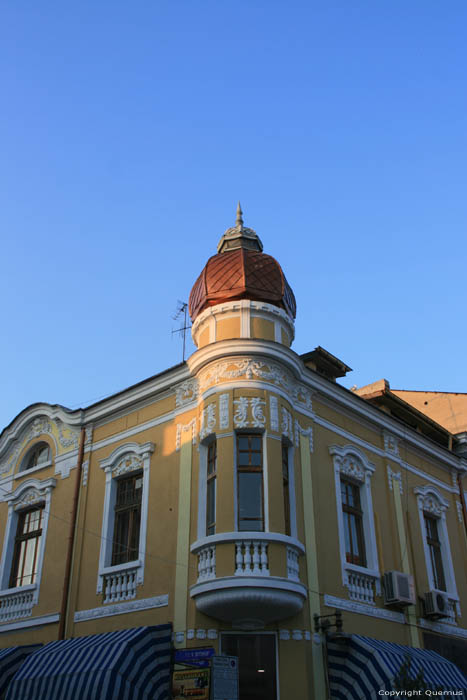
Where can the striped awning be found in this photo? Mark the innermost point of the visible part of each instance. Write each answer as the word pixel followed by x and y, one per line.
pixel 128 664
pixel 11 659
pixel 359 667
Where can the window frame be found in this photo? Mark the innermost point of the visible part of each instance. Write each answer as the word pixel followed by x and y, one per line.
pixel 211 485
pixel 286 486
pixel 124 460
pixel 24 469
pixel 355 511
pixel 431 503
pixel 350 463
pixel 29 493
pixel 120 510
pixel 251 469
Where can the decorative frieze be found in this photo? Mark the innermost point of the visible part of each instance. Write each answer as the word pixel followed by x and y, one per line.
pixel 257 413
pixel 397 476
pixel 254 369
pixel 294 635
pixel 241 412
pixel 122 608
pixel 460 516
pixel 274 413
pixel 186 392
pixel 361 608
pixel 128 463
pixel 224 411
pixel 430 501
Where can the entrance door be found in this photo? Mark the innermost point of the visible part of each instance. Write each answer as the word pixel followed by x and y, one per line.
pixel 257 664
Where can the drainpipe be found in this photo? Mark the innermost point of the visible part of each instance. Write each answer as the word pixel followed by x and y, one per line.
pixel 71 539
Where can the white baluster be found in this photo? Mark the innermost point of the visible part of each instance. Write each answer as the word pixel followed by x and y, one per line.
pixel 238 559
pixel 256 559
pixel 247 558
pixel 264 559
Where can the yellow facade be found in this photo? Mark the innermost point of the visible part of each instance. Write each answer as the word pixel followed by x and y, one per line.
pixel 244 383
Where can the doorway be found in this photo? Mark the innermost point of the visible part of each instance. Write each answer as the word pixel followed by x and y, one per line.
pixel 257 663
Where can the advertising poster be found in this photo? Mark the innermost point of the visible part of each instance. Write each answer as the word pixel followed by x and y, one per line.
pixel 193 683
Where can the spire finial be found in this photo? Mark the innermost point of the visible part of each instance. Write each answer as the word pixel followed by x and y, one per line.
pixel 239 219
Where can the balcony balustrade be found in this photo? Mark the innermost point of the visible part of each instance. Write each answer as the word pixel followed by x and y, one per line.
pixel 119 585
pixel 250 578
pixel 16 603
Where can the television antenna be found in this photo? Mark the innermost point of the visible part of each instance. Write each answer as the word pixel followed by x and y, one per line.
pixel 181 314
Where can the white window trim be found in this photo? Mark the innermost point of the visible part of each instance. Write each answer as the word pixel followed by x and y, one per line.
pixel 203 484
pixel 292 497
pixel 264 445
pixel 360 470
pixel 27 494
pixel 124 459
pixel 430 501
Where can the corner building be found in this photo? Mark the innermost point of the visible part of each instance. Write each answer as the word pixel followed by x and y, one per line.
pixel 237 496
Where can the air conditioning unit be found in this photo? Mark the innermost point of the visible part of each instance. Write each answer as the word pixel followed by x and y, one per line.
pixel 398 588
pixel 436 604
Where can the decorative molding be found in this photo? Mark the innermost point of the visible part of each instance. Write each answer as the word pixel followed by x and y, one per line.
pixel 223 411
pixel 208 420
pixel 88 435
pixel 29 492
pixel 85 473
pixel 186 392
pixel 443 628
pixel 241 412
pixel 190 634
pixel 431 501
pixel 454 478
pixel 182 429
pixel 257 413
pixel 251 368
pixel 179 637
pixel 132 606
pixel 287 423
pixel 284 635
pixel 397 476
pixel 67 436
pixel 362 609
pixel 40 426
pixel 201 634
pixel 297 635
pixel 212 634
pixel 351 461
pixel 460 515
pixel 30 622
pixel 303 431
pixel 391 443
pixel 274 413
pixel 64 465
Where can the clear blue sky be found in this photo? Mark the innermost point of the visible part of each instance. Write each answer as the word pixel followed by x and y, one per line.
pixel 128 131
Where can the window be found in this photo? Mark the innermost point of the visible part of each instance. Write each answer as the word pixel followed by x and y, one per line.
pixel 211 488
pixel 38 456
pixel 27 547
pixel 434 548
pixel 250 482
pixel 353 523
pixel 124 523
pixel 432 509
pixel 127 519
pixel 286 485
pixel 24 544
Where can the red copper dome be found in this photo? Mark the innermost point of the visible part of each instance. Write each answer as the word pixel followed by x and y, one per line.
pixel 241 270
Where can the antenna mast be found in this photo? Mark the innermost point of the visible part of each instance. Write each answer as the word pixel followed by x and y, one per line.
pixel 182 313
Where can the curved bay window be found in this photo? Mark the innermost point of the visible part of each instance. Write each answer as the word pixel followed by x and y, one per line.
pixel 127 519
pixel 27 547
pixel 250 482
pixel 211 488
pixel 353 523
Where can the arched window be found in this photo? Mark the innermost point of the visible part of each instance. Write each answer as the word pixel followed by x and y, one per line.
pixel 38 456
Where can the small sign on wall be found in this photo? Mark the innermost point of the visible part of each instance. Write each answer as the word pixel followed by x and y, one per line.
pixel 224 678
pixel 191 684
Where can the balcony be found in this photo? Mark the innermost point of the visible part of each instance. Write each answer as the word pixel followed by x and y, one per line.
pixel 16 603
pixel 248 579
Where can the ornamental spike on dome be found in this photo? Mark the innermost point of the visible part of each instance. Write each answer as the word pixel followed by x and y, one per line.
pixel 239 236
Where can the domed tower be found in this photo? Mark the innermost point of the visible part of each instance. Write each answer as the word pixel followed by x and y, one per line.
pixel 242 293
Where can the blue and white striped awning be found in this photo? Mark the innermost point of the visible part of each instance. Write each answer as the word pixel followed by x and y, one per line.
pixel 360 667
pixel 10 661
pixel 129 664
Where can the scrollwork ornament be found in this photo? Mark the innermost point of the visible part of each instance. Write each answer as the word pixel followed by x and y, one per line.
pixel 257 414
pixel 241 412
